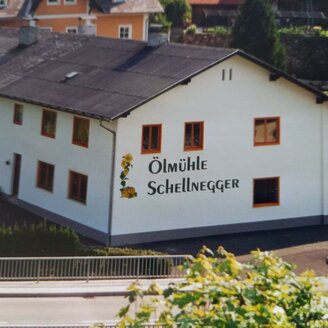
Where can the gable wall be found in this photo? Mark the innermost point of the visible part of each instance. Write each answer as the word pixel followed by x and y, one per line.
pixel 228 109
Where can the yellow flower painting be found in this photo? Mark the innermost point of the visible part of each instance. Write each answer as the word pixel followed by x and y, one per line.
pixel 126 164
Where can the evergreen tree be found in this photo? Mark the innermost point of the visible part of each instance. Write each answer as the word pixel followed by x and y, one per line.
pixel 256 32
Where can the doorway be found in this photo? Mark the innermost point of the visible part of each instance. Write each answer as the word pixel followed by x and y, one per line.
pixel 16 173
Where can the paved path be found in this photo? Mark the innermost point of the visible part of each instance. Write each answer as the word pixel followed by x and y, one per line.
pixel 74 288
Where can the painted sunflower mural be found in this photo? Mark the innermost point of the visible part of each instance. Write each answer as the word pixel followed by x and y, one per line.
pixel 126 164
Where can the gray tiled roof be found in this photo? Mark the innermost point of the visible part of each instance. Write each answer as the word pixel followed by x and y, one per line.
pixel 115 76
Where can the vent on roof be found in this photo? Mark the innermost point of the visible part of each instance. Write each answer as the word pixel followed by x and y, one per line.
pixel 71 75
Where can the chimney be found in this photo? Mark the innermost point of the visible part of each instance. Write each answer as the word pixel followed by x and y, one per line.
pixel 28 33
pixel 158 35
pixel 88 28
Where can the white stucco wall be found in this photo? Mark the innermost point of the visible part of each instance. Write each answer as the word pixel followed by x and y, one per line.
pixel 228 109
pixel 94 161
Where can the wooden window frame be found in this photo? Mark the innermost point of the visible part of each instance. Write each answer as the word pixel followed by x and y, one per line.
pixel 16 108
pixel 49 185
pixel 159 136
pixel 44 133
pixel 267 143
pixel 70 186
pixel 75 140
pixel 193 147
pixel 125 26
pixel 277 203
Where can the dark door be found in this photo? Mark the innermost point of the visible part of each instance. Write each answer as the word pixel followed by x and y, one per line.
pixel 17 170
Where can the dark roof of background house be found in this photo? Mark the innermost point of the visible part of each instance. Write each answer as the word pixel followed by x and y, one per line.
pixel 21 8
pixel 127 6
pixel 114 76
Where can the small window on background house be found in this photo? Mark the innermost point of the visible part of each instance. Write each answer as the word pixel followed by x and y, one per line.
pixel 81 128
pixel 49 121
pixel 266 131
pixel 45 176
pixel 151 138
pixel 223 74
pixel 3 3
pixel 70 2
pixel 53 2
pixel 18 114
pixel 194 136
pixel 71 30
pixel 266 192
pixel 78 185
pixel 125 32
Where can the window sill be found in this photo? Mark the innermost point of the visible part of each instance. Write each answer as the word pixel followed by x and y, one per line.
pixel 80 144
pixel 266 205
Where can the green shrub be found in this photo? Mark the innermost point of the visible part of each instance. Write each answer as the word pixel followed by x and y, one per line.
pixel 38 240
pixel 191 29
pixel 116 251
pixel 221 292
pixel 218 30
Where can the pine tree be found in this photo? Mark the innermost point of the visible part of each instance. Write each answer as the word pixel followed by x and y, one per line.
pixel 256 32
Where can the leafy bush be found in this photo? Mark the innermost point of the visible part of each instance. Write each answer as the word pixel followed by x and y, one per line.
pixel 191 29
pixel 116 251
pixel 221 292
pixel 304 31
pixel 38 240
pixel 46 239
pixel 218 30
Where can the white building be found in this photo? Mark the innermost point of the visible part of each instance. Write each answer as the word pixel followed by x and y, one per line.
pixel 128 144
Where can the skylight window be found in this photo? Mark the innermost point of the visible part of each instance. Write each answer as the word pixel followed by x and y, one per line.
pixel 71 75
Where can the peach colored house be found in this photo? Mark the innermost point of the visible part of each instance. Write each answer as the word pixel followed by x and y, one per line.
pixel 117 19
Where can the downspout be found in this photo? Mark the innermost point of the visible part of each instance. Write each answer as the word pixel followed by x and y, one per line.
pixel 111 187
pixel 323 171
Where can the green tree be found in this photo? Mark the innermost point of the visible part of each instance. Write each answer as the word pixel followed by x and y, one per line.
pixel 256 32
pixel 176 12
pixel 221 292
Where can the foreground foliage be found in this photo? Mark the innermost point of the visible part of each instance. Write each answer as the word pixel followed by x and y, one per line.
pixel 221 292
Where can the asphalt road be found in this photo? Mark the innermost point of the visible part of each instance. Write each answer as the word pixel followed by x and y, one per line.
pixel 59 311
pixel 244 243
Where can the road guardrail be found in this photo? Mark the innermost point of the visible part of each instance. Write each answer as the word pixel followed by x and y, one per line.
pixel 91 267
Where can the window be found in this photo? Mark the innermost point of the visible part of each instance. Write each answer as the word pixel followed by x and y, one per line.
pixel 45 177
pixel 18 114
pixel 266 131
pixel 3 3
pixel 71 30
pixel 193 139
pixel 151 138
pixel 125 31
pixel 266 192
pixel 53 2
pixel 49 120
pixel 69 2
pixel 78 184
pixel 48 29
pixel 81 131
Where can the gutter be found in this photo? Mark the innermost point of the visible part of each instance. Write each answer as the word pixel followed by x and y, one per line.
pixel 111 187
